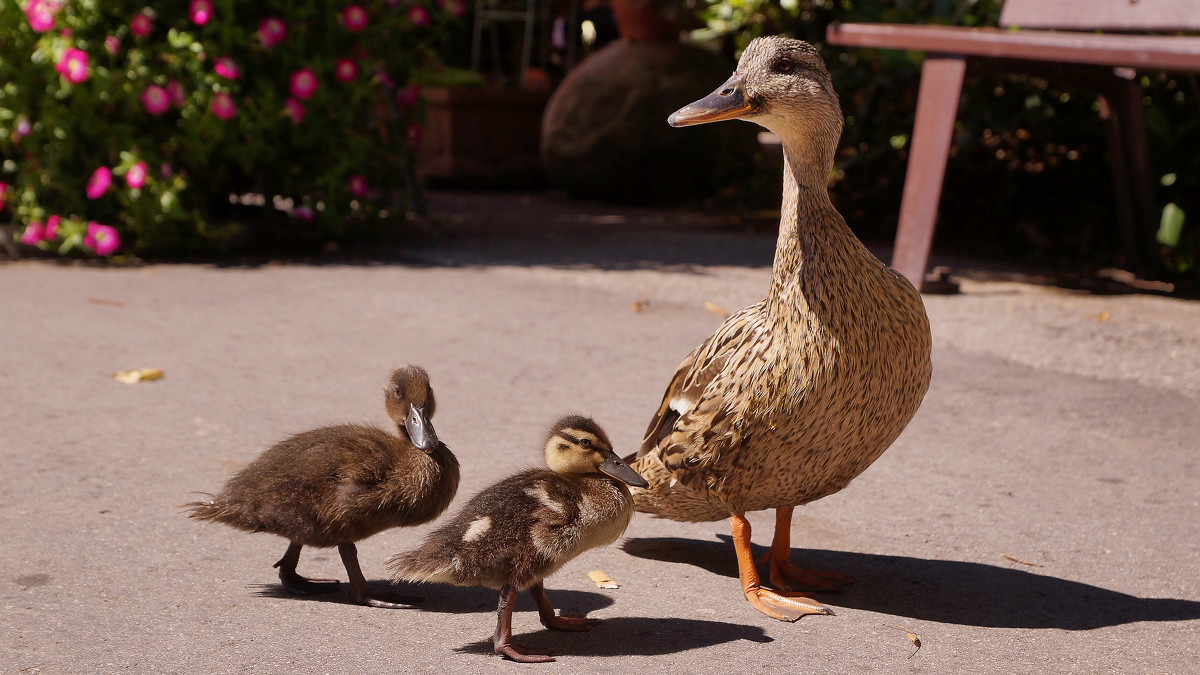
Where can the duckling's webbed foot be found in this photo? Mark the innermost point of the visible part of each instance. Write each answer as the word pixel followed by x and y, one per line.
pixel 360 589
pixel 549 620
pixel 294 583
pixel 788 577
pixel 774 605
pixel 502 639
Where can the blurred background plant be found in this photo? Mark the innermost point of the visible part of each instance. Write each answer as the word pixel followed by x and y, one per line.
pixel 210 125
pixel 1027 151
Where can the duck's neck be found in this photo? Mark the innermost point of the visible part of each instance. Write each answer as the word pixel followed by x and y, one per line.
pixel 809 229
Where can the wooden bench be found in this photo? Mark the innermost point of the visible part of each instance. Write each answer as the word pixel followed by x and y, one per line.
pixel 1044 38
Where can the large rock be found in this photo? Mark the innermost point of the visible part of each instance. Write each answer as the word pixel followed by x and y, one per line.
pixel 605 133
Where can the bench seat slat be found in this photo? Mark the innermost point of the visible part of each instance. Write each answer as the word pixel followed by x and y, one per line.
pixel 1154 52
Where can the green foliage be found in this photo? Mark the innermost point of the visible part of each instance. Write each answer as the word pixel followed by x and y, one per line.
pixel 233 159
pixel 1027 151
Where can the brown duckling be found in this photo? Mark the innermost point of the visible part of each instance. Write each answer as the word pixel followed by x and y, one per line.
pixel 793 396
pixel 519 531
pixel 335 485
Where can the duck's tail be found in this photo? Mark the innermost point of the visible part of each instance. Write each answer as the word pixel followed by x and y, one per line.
pixel 666 497
pixel 429 562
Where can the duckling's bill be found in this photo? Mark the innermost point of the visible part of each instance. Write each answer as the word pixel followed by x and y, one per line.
pixel 615 467
pixel 420 430
pixel 728 102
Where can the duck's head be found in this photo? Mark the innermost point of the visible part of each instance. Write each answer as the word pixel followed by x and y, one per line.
pixel 409 402
pixel 578 445
pixel 781 84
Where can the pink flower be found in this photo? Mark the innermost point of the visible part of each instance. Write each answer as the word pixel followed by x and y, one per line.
pixel 155 99
pixel 20 129
pixel 40 14
pixel 200 11
pixel 222 107
pixel 454 8
pixel 295 110
pixel 419 16
pixel 112 45
pixel 357 185
pixel 99 182
pixel 226 68
pixel 271 31
pixel 408 96
pixel 136 176
pixel 175 93
pixel 101 238
pixel 73 65
pixel 51 228
pixel 34 233
pixel 303 213
pixel 355 18
pixel 3 193
pixel 345 70
pixel 303 83
pixel 141 24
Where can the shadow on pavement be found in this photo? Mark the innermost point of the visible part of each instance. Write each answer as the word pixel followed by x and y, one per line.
pixel 946 591
pixel 449 599
pixel 631 636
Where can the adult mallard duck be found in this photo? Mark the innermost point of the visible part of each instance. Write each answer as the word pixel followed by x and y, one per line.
pixel 521 530
pixel 793 396
pixel 335 485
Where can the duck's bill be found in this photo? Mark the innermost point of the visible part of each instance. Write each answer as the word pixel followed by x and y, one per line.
pixel 615 467
pixel 420 430
pixel 728 102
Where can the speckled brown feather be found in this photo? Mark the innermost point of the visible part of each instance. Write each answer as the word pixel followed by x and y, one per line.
pixel 794 396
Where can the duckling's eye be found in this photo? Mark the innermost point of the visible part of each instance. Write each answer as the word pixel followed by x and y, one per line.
pixel 785 66
pixel 585 443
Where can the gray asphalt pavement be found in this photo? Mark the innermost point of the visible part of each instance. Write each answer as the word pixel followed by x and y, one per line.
pixel 1039 515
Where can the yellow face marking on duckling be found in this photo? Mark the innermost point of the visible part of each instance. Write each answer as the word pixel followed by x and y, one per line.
pixel 477 528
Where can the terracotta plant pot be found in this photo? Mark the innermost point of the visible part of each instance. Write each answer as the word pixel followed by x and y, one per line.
pixel 645 21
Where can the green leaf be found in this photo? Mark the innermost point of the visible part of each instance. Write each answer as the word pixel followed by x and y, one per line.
pixel 1171 226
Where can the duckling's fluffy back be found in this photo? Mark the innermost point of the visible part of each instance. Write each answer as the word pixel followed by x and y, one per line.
pixel 520 530
pixel 336 484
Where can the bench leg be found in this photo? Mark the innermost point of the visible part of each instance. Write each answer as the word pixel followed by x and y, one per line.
pixel 1131 164
pixel 937 107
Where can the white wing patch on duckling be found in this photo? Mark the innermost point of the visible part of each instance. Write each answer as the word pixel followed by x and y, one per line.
pixel 477 528
pixel 540 493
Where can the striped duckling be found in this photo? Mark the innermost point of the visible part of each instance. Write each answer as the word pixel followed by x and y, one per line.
pixel 335 485
pixel 519 531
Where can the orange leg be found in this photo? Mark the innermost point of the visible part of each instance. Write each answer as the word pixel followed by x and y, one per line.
pixel 787 577
pixel 770 603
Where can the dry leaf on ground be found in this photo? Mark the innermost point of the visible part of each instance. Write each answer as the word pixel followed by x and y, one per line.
pixel 138 375
pixel 602 580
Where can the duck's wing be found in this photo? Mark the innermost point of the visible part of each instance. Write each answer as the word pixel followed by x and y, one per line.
pixel 695 424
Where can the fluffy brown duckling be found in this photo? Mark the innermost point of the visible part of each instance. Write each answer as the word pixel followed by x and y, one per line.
pixel 335 485
pixel 515 533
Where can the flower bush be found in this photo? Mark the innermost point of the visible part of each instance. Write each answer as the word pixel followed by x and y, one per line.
pixel 168 128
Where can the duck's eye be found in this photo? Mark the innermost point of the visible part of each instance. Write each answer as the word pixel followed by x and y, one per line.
pixel 397 392
pixel 585 443
pixel 785 66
